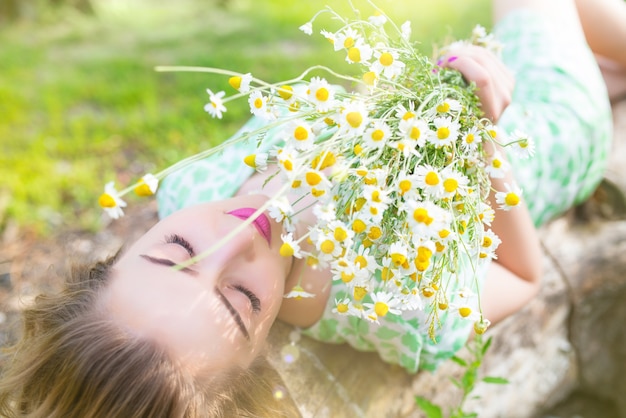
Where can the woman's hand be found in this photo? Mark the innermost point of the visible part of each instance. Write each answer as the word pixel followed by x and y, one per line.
pixel 494 82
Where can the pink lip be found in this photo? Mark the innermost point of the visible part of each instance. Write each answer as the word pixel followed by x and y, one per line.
pixel 261 223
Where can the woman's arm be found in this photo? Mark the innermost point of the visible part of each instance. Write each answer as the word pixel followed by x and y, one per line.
pixel 514 279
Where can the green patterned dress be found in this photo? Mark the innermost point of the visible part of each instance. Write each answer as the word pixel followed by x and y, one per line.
pixel 560 100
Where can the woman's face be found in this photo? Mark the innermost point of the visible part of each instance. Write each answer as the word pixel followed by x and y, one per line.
pixel 216 313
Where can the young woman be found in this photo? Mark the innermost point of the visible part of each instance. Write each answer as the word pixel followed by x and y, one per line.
pixel 133 337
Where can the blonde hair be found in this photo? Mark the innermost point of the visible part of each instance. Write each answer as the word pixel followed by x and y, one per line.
pixel 74 361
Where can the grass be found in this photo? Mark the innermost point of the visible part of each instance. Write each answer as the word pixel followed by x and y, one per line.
pixel 80 103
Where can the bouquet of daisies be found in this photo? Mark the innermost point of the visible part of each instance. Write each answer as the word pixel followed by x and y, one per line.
pixel 397 169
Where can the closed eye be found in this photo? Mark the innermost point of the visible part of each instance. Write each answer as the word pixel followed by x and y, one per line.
pixel 177 239
pixel 254 300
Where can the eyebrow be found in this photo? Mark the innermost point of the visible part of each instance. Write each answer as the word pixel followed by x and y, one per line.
pixel 234 313
pixel 187 270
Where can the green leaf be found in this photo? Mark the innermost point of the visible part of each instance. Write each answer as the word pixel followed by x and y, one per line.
pixel 487 345
pixel 495 380
pixel 459 361
pixel 431 410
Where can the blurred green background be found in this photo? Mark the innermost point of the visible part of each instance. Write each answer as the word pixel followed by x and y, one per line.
pixel 81 104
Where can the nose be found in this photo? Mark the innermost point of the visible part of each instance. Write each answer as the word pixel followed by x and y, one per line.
pixel 233 247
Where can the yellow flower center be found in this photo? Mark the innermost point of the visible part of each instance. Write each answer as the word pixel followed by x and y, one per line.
pixel 342 308
pixel 398 259
pixel 348 42
pixel 327 246
pixel 369 78
pixel 487 242
pixel 428 291
pixel 296 183
pixel 143 190
pixel 381 308
pixel 354 119
pixel 354 54
pixel 443 132
pixel 258 103
pixel 496 163
pixel 444 233
pixel 250 160
pixel 511 199
pixel 450 185
pixel 286 250
pixel 340 234
pixel 432 179
pixel 386 273
pixel 358 149
pixel 443 306
pixel 378 135
pixel 415 133
pixel 361 261
pixel 317 192
pixel 346 277
pixel 465 311
pixel 313 178
pixel 443 107
pixel 405 186
pixel 439 247
pixel 106 201
pixel 322 94
pixel 375 233
pixel 376 196
pixel 421 215
pixel 469 138
pixel 300 133
pixel 358 226
pixel 359 292
pixel 386 59
pixel 235 82
pixel 285 92
pixel 408 115
pixel 288 165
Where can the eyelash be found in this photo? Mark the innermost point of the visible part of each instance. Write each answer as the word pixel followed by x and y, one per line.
pixel 177 239
pixel 254 300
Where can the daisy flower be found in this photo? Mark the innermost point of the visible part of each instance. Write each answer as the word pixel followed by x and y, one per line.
pixel 257 161
pixel 405 30
pixel 415 130
pixel 342 306
pixel 497 166
pixel 453 182
pixel 360 53
pixel 259 106
pixel 377 19
pixel 290 247
pixel 384 303
pixel 299 134
pixel 429 179
pixel 470 140
pixel 111 201
pixel 448 106
pixel 489 245
pixel 321 94
pixel 346 39
pixel 510 198
pixel 241 83
pixel 280 209
pixel 377 135
pixel 364 260
pixel 147 186
pixel 521 144
pixel 297 292
pixel 215 107
pixel 354 118
pixel 387 64
pixel 425 218
pixel 446 131
pixel 307 28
